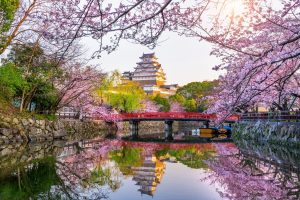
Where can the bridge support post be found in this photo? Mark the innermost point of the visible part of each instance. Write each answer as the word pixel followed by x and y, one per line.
pixel 134 128
pixel 168 129
pixel 206 123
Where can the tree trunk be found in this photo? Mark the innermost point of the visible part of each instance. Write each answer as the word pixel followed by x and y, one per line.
pixel 22 101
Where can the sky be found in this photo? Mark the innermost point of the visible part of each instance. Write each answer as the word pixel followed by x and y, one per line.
pixel 183 59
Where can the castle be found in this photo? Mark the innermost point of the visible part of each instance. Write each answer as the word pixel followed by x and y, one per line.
pixel 151 77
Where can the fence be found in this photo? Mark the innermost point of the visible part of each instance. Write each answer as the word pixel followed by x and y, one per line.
pixel 73 115
pixel 285 116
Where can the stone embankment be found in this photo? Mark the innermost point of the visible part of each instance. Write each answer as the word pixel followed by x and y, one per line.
pixel 273 132
pixel 14 129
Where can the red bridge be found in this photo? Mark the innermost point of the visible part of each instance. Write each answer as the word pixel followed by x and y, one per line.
pixel 174 116
pixel 168 117
pixel 149 116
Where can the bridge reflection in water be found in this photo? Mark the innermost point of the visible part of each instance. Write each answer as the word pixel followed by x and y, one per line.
pixel 248 170
pixel 113 169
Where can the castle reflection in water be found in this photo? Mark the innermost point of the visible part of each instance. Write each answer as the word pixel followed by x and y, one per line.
pixel 115 169
pixel 149 174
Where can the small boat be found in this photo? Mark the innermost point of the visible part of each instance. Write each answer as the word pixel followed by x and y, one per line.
pixel 208 132
pixel 224 132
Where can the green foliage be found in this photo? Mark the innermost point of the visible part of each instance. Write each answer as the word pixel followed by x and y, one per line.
pixel 28 183
pixel 11 81
pixel 111 80
pixel 162 102
pixel 7 10
pixel 197 89
pixel 178 98
pixel 124 97
pixel 27 73
pixel 45 97
pixel 127 158
pixel 50 117
pixel 196 93
pixel 190 157
pixel 190 105
pixel 104 176
pixel 124 102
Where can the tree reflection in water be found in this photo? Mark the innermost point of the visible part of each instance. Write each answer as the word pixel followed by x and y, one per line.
pixel 126 158
pixel 30 181
pixel 95 169
pixel 255 171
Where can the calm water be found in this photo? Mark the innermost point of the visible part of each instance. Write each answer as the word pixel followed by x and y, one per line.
pixel 120 170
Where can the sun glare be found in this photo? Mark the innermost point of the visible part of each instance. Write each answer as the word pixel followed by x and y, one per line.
pixel 235 6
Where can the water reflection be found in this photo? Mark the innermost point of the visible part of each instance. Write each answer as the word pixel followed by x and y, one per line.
pixel 27 171
pixel 113 169
pixel 254 171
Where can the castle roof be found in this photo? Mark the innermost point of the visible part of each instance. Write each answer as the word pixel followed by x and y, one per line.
pixel 148 55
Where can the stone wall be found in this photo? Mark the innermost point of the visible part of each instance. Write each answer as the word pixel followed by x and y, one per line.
pixel 14 129
pixel 273 132
pixel 78 130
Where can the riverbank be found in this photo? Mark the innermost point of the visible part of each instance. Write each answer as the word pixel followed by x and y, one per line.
pixel 17 129
pixel 282 133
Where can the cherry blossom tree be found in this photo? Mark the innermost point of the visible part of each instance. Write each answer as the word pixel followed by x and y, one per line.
pixel 260 52
pixel 77 86
pixel 149 106
pixel 176 107
pixel 140 21
pixel 257 41
pixel 78 90
pixel 61 23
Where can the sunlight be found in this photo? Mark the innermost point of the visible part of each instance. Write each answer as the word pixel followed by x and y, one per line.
pixel 234 6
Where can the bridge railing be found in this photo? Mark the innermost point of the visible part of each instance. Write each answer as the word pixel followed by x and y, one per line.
pixel 167 115
pixel 74 115
pixel 175 115
pixel 288 116
pixel 149 115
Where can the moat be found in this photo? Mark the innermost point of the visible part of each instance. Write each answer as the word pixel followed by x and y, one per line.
pixel 115 169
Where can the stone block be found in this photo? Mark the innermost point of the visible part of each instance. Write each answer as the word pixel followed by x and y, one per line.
pixel 25 122
pixel 15 121
pixel 6 132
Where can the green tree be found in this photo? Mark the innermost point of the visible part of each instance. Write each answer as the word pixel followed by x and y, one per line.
pixel 45 97
pixel 190 105
pixel 30 182
pixel 105 176
pixel 108 83
pixel 178 98
pixel 11 81
pixel 37 71
pixel 197 91
pixel 8 9
pixel 126 158
pixel 192 157
pixel 162 102
pixel 124 97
